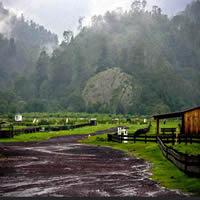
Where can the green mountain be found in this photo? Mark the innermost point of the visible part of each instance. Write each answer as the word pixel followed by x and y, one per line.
pixel 136 62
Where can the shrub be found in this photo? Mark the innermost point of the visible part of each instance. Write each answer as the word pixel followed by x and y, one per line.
pixel 101 139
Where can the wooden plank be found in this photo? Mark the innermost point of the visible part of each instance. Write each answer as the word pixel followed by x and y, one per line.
pixel 192 122
pixel 157 127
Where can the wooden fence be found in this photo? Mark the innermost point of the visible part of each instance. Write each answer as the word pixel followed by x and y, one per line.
pixel 11 132
pixel 181 138
pixel 189 164
pixel 133 136
pixel 130 137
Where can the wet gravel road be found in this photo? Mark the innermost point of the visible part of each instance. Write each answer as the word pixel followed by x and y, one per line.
pixel 63 167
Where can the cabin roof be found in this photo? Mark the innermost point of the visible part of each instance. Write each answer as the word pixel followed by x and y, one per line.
pixel 174 114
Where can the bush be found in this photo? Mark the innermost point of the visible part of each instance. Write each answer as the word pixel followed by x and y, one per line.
pixel 101 139
pixel 43 122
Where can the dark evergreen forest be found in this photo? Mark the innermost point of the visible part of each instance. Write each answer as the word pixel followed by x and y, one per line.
pixel 158 58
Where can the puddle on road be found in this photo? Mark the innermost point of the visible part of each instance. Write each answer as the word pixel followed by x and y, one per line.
pixel 126 191
pixel 106 182
pixel 18 158
pixel 31 192
pixel 32 164
pixel 57 150
pixel 116 176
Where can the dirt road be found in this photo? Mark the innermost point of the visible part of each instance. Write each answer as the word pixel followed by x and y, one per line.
pixel 63 167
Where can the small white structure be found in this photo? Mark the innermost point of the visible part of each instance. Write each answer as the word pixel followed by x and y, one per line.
pixel 18 118
pixel 42 129
pixel 123 131
pixel 119 130
pixel 125 138
pixel 145 121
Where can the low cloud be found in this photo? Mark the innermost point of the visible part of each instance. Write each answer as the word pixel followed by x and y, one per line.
pixel 6 18
pixel 59 15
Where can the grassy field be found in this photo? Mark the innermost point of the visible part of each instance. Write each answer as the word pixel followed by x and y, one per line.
pixel 60 117
pixel 85 130
pixel 162 170
pixel 14 127
pixel 190 149
pixel 169 124
pixel 46 135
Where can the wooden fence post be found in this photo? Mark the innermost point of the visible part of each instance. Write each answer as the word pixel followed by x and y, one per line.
pixel 11 131
pixel 109 138
pixel 186 158
pixel 120 139
pixel 186 139
pixel 157 127
pixel 173 138
pixel 167 152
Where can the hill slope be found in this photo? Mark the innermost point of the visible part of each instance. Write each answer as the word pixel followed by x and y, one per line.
pixel 157 59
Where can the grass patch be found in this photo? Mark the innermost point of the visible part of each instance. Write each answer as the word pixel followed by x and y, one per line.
pixel 163 170
pixel 14 127
pixel 169 124
pixel 190 149
pixel 47 135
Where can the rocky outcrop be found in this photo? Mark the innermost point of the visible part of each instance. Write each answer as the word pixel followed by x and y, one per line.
pixel 109 87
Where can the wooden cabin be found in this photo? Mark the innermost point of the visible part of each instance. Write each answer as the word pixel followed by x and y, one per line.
pixel 190 121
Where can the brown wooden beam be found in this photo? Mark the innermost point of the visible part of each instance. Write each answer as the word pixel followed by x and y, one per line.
pixel 157 127
pixel 183 125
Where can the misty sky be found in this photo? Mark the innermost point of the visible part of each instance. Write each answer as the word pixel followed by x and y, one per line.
pixel 59 15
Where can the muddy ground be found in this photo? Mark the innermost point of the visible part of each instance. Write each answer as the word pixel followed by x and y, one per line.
pixel 63 167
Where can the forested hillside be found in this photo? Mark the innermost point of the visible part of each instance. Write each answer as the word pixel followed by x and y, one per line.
pixel 141 57
pixel 21 42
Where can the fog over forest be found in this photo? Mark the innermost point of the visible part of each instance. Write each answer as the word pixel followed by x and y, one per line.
pixel 58 15
pixel 136 60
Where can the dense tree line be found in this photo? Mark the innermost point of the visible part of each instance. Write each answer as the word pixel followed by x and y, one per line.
pixel 161 54
pixel 21 42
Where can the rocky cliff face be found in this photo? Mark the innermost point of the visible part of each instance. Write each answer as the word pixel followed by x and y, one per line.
pixel 110 87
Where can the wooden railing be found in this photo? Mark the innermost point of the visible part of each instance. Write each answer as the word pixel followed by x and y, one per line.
pixel 181 138
pixel 132 136
pixel 167 130
pixel 188 164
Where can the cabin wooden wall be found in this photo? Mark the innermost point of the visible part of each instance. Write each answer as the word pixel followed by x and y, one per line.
pixel 192 122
